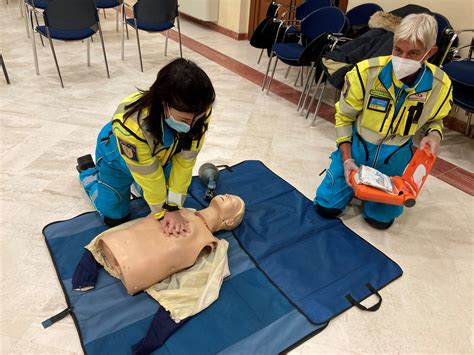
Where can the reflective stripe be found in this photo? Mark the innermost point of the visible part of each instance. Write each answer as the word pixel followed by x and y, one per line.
pixel 347 109
pixel 375 138
pixel 344 132
pixel 88 180
pixel 144 169
pixel 188 154
pixel 175 198
pixel 94 196
pixel 156 207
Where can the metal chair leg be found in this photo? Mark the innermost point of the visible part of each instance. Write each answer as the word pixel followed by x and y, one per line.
pixel 303 92
pixel 54 56
pixel 103 50
pixel 37 24
pixel 268 69
pixel 26 19
pixel 179 37
pixel 308 92
pixel 105 16
pixel 314 95
pixel 260 56
pixel 166 42
pixel 122 46
pixel 116 18
pixel 138 44
pixel 88 52
pixel 4 69
pixel 287 71
pixel 33 43
pixel 468 123
pixel 297 77
pixel 319 104
pixel 273 73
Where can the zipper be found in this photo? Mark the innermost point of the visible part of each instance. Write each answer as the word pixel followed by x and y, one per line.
pixel 385 118
pixel 377 152
pixel 173 149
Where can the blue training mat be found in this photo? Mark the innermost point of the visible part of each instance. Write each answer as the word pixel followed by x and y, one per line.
pixel 244 319
pixel 322 266
pixel 291 272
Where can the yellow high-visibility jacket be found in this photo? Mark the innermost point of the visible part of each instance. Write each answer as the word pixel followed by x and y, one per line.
pixel 146 157
pixel 384 110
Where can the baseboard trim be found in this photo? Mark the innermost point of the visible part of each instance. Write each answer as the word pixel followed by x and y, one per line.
pixel 215 27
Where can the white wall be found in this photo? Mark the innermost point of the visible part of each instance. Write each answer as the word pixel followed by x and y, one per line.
pixel 234 15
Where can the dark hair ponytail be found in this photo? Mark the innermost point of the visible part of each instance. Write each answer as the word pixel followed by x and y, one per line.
pixel 182 85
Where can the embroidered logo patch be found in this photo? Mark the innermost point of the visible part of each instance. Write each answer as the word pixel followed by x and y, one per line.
pixel 380 93
pixel 378 104
pixel 421 97
pixel 128 149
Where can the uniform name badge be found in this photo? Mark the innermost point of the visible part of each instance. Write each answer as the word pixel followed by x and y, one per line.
pixel 378 103
pixel 129 150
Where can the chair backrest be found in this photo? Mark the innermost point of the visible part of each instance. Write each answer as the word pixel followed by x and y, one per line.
pixel 156 11
pixel 71 14
pixel 360 15
pixel 309 6
pixel 272 9
pixel 327 19
pixel 443 24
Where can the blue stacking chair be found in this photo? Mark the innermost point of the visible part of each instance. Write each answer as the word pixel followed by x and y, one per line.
pixel 70 20
pixel 360 15
pixel 290 24
pixel 109 4
pixel 33 7
pixel 461 73
pixel 320 22
pixel 153 16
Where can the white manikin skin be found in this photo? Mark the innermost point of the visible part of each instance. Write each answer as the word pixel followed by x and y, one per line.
pixel 143 255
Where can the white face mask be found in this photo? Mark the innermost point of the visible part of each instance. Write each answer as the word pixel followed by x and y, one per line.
pixel 403 67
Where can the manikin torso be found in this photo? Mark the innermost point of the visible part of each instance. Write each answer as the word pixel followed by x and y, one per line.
pixel 142 254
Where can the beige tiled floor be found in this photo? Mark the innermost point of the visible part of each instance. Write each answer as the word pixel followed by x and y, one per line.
pixel 44 128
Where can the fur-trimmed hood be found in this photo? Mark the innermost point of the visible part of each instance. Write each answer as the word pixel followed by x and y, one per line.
pixel 384 20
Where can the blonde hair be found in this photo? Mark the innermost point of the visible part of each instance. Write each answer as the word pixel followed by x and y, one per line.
pixel 417 27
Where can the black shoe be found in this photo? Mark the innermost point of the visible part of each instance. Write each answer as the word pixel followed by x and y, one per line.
pixel 327 212
pixel 113 222
pixel 377 224
pixel 85 162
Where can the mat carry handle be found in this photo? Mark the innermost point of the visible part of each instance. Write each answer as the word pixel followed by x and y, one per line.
pixel 373 308
pixel 50 321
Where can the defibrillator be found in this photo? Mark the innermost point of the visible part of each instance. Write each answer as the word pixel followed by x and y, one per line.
pixel 402 190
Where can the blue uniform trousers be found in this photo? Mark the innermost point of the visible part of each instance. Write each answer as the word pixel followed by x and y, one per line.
pixel 108 183
pixel 333 192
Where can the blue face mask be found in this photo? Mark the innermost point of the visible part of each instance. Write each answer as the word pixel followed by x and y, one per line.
pixel 178 126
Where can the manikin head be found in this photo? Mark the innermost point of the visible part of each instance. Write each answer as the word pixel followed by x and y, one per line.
pixel 225 212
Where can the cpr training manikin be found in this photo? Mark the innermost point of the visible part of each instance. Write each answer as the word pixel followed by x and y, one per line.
pixel 184 274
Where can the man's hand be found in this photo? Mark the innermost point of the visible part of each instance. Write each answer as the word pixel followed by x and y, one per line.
pixel 173 224
pixel 349 166
pixel 433 141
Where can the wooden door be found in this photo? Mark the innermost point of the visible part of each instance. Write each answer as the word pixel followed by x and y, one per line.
pixel 258 10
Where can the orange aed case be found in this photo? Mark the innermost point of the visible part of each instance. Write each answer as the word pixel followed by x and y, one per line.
pixel 406 187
